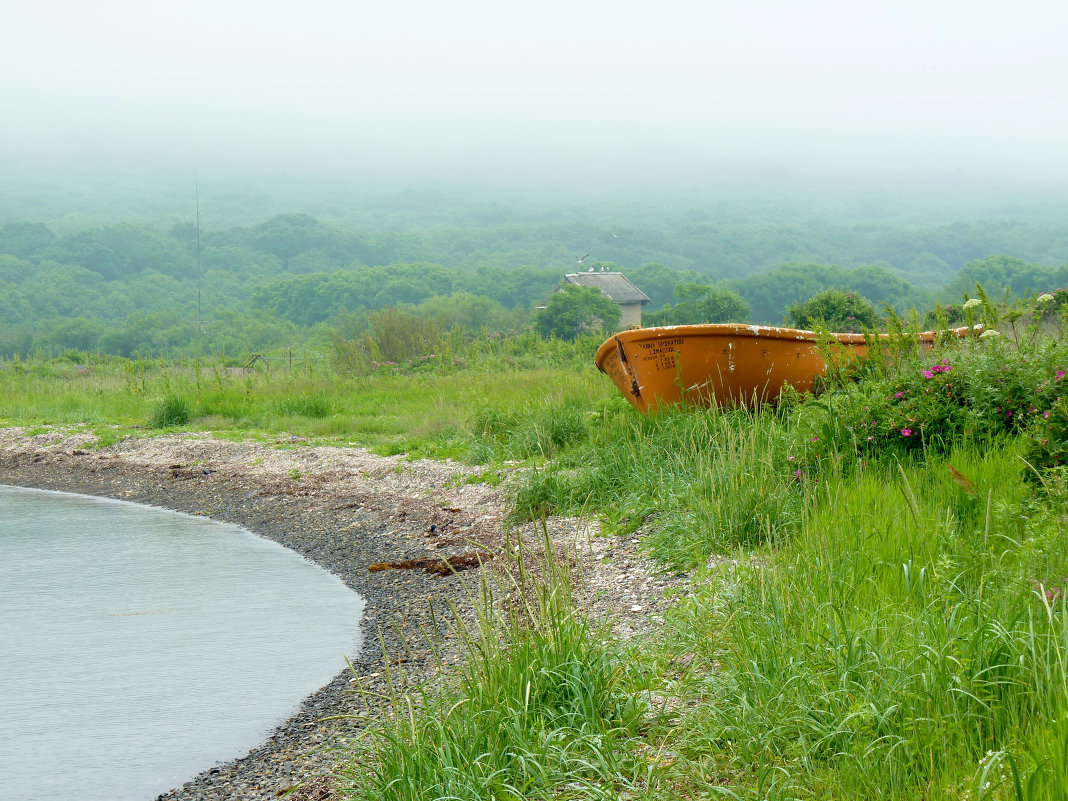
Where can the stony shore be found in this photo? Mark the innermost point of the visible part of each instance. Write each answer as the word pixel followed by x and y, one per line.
pixel 345 509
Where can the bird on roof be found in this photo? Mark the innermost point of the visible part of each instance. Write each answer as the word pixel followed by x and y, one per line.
pixel 590 270
pixel 582 258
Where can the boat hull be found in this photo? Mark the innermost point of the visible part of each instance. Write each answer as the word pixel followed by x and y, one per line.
pixel 722 364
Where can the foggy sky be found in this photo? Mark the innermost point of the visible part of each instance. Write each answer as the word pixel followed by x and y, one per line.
pixel 871 86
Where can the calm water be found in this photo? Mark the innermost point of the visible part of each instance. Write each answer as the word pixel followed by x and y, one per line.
pixel 139 647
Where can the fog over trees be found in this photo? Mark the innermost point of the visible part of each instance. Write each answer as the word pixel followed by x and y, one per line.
pixel 341 159
pixel 129 282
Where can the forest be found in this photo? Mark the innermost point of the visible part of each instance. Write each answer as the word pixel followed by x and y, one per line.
pixel 147 284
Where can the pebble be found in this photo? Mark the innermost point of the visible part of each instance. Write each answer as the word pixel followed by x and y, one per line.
pixel 351 509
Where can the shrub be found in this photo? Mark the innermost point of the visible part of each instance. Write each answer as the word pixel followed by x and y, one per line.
pixel 576 310
pixel 835 310
pixel 399 334
pixel 701 303
pixel 171 410
pixel 315 406
pixel 975 390
pixel 1047 439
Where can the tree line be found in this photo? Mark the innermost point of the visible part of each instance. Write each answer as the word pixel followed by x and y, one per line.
pixel 127 289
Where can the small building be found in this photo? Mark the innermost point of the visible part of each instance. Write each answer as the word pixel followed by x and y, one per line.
pixel 619 290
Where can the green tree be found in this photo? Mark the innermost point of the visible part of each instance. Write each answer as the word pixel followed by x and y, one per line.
pixel 469 312
pixel 24 239
pixel 659 281
pixel 1000 273
pixel 835 310
pixel 701 303
pixel 576 310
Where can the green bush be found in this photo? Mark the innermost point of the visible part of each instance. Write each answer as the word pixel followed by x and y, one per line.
pixel 834 310
pixel 537 430
pixel 171 410
pixel 1047 439
pixel 315 406
pixel 701 303
pixel 576 310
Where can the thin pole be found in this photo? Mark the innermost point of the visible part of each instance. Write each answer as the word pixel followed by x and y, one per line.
pixel 196 195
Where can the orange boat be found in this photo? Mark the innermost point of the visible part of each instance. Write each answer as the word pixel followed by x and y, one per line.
pixel 726 364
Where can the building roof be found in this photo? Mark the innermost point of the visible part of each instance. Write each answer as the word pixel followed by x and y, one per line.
pixel 618 288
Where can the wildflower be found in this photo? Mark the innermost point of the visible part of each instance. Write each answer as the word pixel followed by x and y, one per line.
pixel 906 432
pixel 1045 415
pixel 1045 297
pixel 927 373
pixel 870 438
pixel 971 303
pixel 990 333
pixel 1060 375
pixel 898 394
pixel 789 458
pixel 815 439
pixel 797 475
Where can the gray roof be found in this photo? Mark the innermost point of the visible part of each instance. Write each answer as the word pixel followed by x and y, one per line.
pixel 618 288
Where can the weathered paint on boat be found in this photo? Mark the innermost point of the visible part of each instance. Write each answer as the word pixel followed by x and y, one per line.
pixel 726 364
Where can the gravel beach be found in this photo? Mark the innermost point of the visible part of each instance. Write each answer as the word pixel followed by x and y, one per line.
pixel 345 509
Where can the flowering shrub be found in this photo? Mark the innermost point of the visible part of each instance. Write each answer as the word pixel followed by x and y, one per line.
pixel 920 408
pixel 950 315
pixel 388 367
pixel 1047 438
pixel 974 390
pixel 1051 591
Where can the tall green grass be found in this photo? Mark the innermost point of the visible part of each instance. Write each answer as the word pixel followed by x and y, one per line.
pixel 540 708
pixel 893 643
pixel 425 413
pixel 705 480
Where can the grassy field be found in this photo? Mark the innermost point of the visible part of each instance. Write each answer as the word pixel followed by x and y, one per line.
pixel 423 412
pixel 876 604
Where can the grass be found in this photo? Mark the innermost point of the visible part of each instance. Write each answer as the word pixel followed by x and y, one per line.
pixel 882 653
pixel 426 414
pixel 869 613
pixel 903 642
pixel 541 708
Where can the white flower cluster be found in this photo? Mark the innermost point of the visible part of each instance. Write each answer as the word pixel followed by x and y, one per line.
pixel 971 303
pixel 1045 297
pixel 990 333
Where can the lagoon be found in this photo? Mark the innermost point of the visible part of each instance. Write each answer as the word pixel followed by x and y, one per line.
pixel 140 646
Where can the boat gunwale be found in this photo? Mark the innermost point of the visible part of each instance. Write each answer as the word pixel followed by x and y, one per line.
pixel 705 330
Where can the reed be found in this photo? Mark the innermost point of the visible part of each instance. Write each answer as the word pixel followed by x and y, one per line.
pixel 425 413
pixel 541 707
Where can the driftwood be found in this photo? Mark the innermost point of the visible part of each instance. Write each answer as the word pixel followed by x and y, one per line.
pixel 436 565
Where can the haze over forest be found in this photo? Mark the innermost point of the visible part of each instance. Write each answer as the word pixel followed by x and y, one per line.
pixel 335 152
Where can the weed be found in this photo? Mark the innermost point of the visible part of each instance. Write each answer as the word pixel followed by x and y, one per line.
pixel 170 411
pixel 539 708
